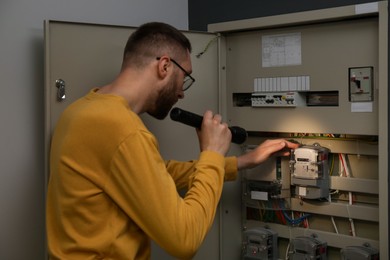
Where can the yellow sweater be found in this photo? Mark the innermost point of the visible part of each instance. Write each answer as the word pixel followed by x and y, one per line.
pixel 110 192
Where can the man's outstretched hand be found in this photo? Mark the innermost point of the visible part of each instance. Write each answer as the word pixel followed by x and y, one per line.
pixel 272 147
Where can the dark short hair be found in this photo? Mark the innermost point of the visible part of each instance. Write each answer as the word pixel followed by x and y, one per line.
pixel 152 40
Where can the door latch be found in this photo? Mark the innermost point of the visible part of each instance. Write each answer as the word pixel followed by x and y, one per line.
pixel 60 84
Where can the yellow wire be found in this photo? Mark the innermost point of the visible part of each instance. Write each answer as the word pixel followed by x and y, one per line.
pixel 207 46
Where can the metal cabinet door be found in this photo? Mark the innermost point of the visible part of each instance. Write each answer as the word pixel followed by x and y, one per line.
pixel 83 56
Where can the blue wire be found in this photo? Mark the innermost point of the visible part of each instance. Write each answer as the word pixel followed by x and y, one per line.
pixel 290 220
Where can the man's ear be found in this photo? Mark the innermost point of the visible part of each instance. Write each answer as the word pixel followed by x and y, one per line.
pixel 163 67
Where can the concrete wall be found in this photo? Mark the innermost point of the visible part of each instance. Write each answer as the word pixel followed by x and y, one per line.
pixel 22 218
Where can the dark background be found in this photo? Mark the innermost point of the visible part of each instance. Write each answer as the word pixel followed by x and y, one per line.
pixel 203 12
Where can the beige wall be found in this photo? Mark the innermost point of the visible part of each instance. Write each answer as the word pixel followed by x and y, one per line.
pixel 21 103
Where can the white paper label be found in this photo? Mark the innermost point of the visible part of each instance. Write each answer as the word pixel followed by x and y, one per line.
pixel 259 195
pixel 302 191
pixel 361 107
pixel 281 50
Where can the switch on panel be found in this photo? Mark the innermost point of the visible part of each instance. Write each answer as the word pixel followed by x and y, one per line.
pixel 361 84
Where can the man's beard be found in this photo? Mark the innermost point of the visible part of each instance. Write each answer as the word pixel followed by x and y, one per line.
pixel 165 100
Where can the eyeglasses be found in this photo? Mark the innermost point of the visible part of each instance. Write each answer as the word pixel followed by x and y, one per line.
pixel 188 79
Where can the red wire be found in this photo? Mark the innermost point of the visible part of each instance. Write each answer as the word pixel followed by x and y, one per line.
pixel 278 213
pixel 342 162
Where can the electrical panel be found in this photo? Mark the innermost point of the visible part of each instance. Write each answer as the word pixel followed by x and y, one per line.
pixel 311 190
pixel 315 81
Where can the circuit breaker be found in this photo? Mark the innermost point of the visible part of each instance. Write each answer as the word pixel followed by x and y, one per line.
pixel 277 99
pixel 260 243
pixel 310 171
pixel 361 84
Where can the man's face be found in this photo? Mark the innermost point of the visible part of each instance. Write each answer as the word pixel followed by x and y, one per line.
pixel 166 98
pixel 171 93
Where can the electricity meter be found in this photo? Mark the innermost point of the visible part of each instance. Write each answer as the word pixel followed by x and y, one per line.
pixel 310 171
pixel 260 243
pixel 307 247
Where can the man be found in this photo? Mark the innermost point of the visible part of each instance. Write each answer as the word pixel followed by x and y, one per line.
pixel 110 193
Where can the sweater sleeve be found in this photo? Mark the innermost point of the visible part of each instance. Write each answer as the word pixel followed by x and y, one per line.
pixel 142 187
pixel 181 171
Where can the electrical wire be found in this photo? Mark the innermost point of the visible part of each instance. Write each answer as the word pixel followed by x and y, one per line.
pixel 291 220
pixel 353 231
pixel 347 171
pixel 279 213
pixel 207 46
pixel 332 165
pixel 288 251
pixel 332 218
pixel 334 225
